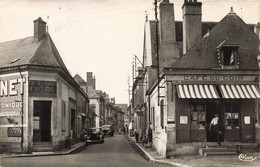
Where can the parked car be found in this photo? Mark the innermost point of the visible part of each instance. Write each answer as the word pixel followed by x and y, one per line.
pixel 108 130
pixel 94 135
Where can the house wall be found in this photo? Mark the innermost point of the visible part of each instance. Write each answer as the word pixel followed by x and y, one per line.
pixel 97 109
pixel 159 131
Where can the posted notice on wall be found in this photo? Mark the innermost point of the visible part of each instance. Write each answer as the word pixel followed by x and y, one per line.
pixel 247 119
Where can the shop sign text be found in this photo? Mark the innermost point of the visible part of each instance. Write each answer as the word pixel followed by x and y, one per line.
pixel 42 88
pixel 9 87
pixel 213 78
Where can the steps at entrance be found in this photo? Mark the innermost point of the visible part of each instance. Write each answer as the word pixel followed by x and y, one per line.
pixel 217 150
pixel 42 147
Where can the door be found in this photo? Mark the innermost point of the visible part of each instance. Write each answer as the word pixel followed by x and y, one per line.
pixel 73 123
pixel 42 121
pixel 183 121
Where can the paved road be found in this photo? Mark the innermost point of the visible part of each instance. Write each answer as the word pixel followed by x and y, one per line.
pixel 115 152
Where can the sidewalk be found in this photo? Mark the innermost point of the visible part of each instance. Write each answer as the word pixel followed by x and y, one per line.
pixel 196 160
pixel 73 148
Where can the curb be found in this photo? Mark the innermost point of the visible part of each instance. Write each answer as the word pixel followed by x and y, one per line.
pixel 148 157
pixel 79 148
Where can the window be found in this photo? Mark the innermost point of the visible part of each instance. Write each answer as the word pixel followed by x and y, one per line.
pixel 63 116
pixel 198 112
pixel 229 56
pixel 231 116
pixel 153 118
pixel 162 113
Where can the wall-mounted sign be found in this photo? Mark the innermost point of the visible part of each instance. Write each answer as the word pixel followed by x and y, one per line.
pixel 170 118
pixel 183 119
pixel 14 132
pixel 211 78
pixel 42 88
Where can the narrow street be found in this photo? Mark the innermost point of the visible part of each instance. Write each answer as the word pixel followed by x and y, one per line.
pixel 115 152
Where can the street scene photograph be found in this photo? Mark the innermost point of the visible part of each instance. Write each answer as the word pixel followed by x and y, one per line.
pixel 130 83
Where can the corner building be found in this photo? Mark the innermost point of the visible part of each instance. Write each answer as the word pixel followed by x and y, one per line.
pixel 42 107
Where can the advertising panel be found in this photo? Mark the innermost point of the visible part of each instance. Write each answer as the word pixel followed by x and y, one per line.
pixel 11 100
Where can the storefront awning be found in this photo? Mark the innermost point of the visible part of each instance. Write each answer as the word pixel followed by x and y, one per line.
pixel 239 91
pixel 197 91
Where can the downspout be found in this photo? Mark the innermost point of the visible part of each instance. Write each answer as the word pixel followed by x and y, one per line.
pixel 22 93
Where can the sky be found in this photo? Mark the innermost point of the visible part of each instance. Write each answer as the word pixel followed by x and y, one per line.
pixel 101 36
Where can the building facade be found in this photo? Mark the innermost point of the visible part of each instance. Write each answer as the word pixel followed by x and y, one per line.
pixel 205 68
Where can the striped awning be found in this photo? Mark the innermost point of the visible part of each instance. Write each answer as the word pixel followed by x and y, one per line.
pixel 197 91
pixel 239 91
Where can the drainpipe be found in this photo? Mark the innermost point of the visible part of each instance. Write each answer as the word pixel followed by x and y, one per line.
pixel 22 92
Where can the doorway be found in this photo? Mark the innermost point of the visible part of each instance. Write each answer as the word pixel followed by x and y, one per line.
pixel 73 123
pixel 42 121
pixel 213 108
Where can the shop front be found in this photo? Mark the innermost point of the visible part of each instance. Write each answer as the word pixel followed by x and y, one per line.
pixel 197 98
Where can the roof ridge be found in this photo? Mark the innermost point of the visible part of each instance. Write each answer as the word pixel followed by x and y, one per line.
pixel 16 40
pixel 55 50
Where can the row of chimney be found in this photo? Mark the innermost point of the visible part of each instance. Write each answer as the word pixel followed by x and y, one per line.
pixel 192 26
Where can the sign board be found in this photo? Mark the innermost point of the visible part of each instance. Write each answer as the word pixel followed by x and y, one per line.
pixel 42 88
pixel 211 78
pixel 170 127
pixel 170 119
pixel 14 132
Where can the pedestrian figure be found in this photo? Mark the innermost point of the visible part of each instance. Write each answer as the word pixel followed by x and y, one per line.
pixel 119 130
pixel 124 130
pixel 136 136
pixel 215 129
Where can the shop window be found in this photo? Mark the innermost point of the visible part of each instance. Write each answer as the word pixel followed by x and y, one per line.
pixel 231 116
pixel 198 112
pixel 63 116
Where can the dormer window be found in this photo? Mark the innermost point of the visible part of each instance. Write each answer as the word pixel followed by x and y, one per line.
pixel 228 56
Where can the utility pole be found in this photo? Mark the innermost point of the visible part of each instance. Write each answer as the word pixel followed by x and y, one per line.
pixel 157 49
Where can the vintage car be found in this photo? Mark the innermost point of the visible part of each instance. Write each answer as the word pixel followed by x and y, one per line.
pixel 108 130
pixel 94 135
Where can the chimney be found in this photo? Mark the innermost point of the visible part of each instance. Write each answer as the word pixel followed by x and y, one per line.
pixel 91 80
pixel 169 51
pixel 192 29
pixel 39 29
pixel 257 31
